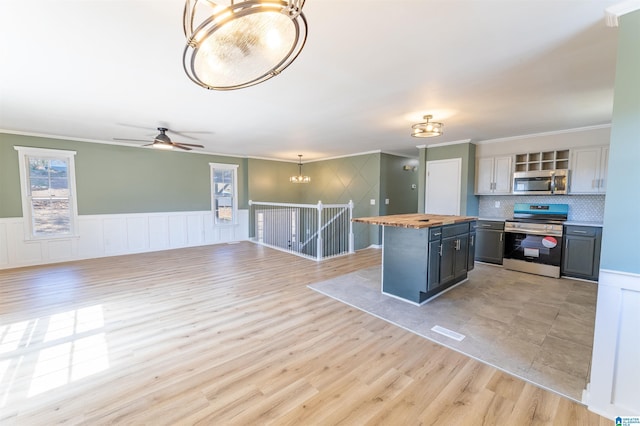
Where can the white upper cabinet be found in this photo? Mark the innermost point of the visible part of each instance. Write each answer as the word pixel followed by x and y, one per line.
pixel 493 175
pixel 589 170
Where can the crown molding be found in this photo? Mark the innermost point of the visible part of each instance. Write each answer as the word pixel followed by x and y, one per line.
pixel 398 154
pixel 613 13
pixel 256 157
pixel 555 132
pixel 74 139
pixel 64 138
pixel 130 145
pixel 443 144
pixel 377 151
pixel 69 138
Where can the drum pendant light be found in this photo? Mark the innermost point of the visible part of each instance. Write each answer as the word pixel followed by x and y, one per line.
pixel 242 44
pixel 427 129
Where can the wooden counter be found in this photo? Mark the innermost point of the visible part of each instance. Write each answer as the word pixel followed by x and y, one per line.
pixel 414 220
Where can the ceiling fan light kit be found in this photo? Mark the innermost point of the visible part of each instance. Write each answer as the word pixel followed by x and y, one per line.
pixel 300 178
pixel 242 44
pixel 162 141
pixel 428 129
pixel 162 145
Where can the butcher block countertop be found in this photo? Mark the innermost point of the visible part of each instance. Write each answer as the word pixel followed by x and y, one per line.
pixel 414 220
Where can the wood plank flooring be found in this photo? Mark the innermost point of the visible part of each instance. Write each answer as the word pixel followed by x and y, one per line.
pixel 230 334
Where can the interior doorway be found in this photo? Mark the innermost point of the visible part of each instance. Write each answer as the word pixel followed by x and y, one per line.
pixel 443 186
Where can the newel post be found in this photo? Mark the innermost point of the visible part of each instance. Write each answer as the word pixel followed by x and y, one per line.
pixel 319 241
pixel 252 221
pixel 351 236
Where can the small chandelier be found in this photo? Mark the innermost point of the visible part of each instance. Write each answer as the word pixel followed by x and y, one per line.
pixel 300 178
pixel 427 129
pixel 242 44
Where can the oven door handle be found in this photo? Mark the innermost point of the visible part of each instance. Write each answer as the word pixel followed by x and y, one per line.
pixel 534 232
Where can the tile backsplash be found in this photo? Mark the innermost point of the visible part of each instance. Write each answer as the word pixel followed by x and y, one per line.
pixel 582 208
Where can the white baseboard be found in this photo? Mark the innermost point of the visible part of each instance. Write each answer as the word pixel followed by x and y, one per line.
pixel 375 246
pixel 118 234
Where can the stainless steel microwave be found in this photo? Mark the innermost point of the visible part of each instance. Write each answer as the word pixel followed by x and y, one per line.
pixel 541 182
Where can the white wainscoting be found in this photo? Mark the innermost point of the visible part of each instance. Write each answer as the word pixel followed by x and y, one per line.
pixel 117 234
pixel 614 388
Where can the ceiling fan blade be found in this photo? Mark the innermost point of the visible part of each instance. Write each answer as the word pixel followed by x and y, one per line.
pixel 189 144
pixel 162 140
pixel 177 145
pixel 131 140
pixel 134 126
pixel 185 134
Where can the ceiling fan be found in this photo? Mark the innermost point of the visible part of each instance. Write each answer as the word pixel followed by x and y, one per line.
pixel 163 141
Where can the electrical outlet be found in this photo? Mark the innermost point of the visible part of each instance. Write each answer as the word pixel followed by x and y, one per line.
pixel 386 201
pixel 373 202
pixel 497 204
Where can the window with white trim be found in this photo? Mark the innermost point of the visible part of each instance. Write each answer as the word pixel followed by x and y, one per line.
pixel 224 193
pixel 47 183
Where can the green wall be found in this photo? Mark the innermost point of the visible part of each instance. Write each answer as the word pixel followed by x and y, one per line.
pixel 422 178
pixel 269 181
pixel 116 179
pixel 396 184
pixel 10 198
pixel 465 151
pixel 359 178
pixel 621 231
pixel 337 181
pixel 113 179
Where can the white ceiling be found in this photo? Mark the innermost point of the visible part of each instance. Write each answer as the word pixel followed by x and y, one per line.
pixel 103 69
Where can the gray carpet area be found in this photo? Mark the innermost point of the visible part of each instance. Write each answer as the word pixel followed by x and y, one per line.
pixel 536 328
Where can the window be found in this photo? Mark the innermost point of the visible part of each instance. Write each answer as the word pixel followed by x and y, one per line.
pixel 224 193
pixel 47 182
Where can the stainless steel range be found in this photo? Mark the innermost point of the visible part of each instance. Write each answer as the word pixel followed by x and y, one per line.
pixel 533 238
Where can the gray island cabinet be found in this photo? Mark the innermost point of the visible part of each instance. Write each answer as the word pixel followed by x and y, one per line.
pixel 424 254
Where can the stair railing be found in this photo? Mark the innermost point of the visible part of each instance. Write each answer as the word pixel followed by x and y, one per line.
pixel 315 231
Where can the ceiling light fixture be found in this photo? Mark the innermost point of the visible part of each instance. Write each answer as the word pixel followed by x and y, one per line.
pixel 242 44
pixel 427 129
pixel 300 178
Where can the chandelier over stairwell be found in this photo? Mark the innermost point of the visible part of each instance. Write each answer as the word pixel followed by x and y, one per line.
pixel 300 178
pixel 242 44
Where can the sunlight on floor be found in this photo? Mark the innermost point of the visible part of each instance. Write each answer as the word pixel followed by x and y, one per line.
pixel 52 351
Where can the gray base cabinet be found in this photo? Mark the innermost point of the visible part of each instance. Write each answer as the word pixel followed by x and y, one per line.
pixel 581 252
pixel 433 276
pixel 419 263
pixel 453 259
pixel 489 245
pixel 405 271
pixel 471 255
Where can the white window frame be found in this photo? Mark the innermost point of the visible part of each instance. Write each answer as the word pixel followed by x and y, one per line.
pixel 69 156
pixel 234 168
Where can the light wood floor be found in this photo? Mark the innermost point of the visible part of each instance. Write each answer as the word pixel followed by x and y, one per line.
pixel 230 334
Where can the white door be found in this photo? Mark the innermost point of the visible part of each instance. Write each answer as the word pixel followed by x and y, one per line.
pixel 443 186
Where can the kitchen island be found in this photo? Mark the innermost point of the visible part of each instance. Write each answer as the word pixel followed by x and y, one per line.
pixel 424 254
